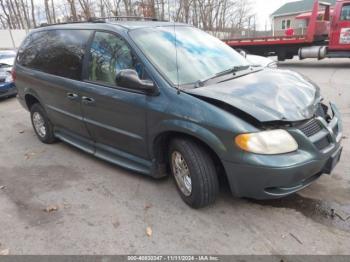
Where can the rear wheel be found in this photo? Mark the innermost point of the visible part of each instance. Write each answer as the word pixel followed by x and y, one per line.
pixel 289 56
pixel 41 124
pixel 194 172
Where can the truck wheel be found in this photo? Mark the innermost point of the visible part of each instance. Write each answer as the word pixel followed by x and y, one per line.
pixel 42 126
pixel 281 57
pixel 194 172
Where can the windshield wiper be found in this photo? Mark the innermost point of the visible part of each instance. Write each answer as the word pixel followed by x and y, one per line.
pixel 232 70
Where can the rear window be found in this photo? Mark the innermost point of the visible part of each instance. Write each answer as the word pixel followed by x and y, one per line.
pixel 57 52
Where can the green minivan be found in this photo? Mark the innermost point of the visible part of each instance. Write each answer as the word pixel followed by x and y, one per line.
pixel 165 98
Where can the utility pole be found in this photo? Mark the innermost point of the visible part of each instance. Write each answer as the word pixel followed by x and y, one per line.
pixel 254 25
pixel 13 41
pixel 249 25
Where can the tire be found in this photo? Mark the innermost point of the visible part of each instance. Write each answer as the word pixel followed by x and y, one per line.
pixel 45 134
pixel 203 176
pixel 281 57
pixel 290 56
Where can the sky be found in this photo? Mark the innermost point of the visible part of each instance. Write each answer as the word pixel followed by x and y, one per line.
pixel 264 8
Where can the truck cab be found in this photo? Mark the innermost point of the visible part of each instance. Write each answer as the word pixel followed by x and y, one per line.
pixel 327 36
pixel 340 27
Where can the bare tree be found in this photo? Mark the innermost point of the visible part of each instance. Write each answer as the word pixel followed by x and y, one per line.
pixel 86 6
pixel 128 7
pixel 19 13
pixel 3 22
pixel 73 10
pixel 7 17
pixel 53 12
pixel 111 7
pixel 47 11
pixel 215 16
pixel 14 16
pixel 33 12
pixel 25 14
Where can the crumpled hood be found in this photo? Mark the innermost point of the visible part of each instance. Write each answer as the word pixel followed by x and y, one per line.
pixel 267 95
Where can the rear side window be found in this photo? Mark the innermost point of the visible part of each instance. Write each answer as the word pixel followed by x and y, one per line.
pixel 57 52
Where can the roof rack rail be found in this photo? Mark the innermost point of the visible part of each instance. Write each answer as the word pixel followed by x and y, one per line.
pixel 126 18
pixel 90 20
pixel 103 20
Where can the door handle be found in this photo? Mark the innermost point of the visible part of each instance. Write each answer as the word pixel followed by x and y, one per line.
pixel 72 96
pixel 88 100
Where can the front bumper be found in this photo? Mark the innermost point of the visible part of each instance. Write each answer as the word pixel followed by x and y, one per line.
pixel 275 176
pixel 7 89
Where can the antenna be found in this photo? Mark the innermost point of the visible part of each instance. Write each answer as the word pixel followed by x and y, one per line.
pixel 177 66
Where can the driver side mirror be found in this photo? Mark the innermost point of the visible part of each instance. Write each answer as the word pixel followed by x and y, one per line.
pixel 129 78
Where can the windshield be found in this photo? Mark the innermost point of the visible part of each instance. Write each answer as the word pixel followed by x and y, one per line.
pixel 199 55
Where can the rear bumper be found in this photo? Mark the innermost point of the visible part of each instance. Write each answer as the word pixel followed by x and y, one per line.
pixel 7 89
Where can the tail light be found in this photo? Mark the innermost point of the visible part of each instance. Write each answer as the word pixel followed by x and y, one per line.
pixel 13 73
pixel 8 78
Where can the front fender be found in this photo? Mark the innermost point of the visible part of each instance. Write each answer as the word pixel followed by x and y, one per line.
pixel 191 129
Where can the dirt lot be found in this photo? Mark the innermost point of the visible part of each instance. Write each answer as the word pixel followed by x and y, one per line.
pixel 103 209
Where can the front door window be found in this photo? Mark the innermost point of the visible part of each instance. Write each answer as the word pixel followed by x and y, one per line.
pixel 110 54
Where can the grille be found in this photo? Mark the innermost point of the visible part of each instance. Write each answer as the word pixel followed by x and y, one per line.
pixel 311 128
pixel 323 143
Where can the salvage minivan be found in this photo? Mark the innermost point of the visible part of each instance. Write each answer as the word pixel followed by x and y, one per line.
pixel 160 97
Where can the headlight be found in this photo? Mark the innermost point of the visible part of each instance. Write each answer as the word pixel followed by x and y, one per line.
pixel 8 78
pixel 267 142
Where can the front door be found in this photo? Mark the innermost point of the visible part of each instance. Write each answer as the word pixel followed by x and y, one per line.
pixel 115 116
pixel 340 39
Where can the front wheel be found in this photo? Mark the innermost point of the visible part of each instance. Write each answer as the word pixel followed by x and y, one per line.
pixel 194 172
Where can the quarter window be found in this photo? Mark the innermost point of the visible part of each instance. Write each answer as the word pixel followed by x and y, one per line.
pixel 57 52
pixel 345 13
pixel 108 55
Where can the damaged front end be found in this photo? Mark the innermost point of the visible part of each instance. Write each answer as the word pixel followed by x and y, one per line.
pixel 294 139
pixel 273 176
pixel 324 130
